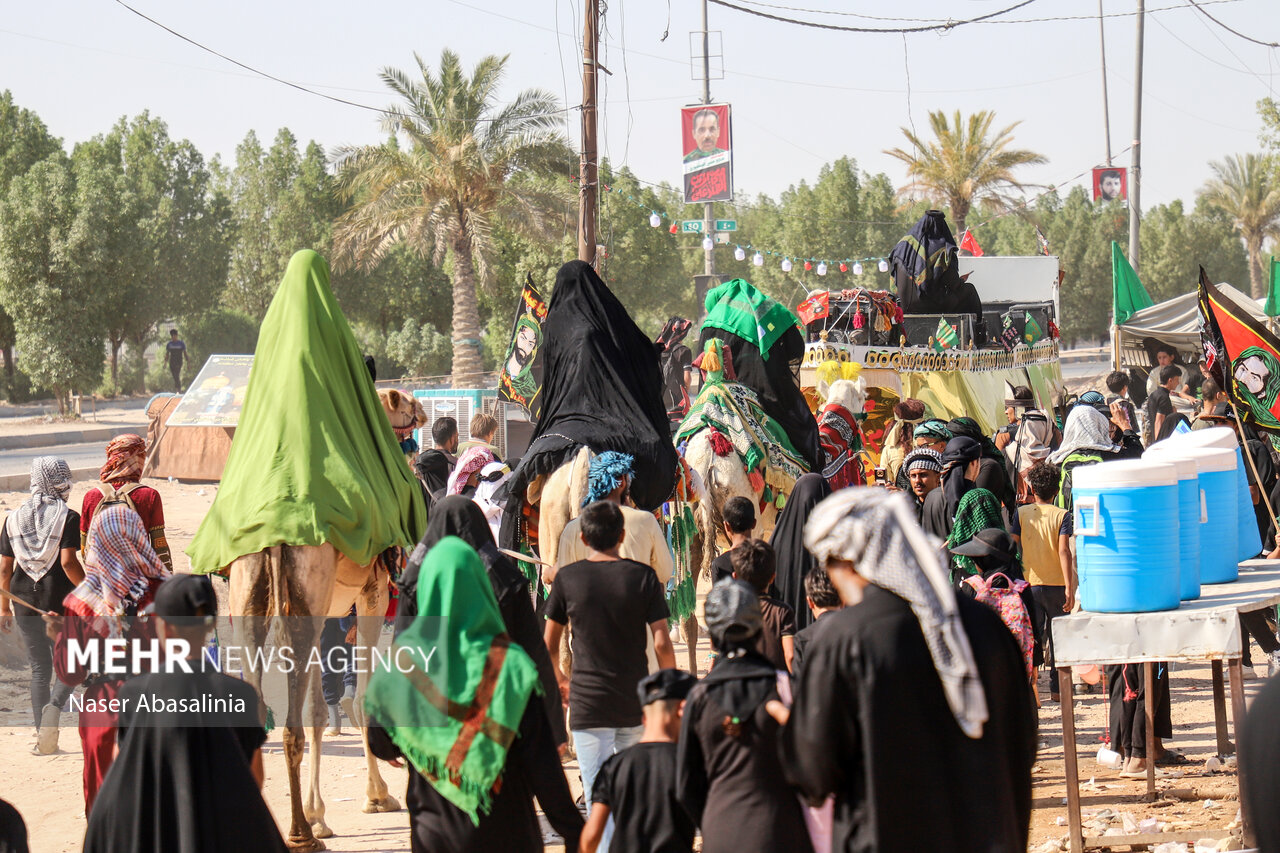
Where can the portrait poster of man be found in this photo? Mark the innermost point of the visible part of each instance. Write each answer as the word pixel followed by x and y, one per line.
pixel 1242 355
pixel 1110 183
pixel 708 153
pixel 521 379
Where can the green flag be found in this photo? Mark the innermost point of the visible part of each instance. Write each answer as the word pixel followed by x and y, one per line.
pixel 1031 332
pixel 1272 308
pixel 945 337
pixel 1129 294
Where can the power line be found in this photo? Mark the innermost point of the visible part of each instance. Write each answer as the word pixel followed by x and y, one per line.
pixel 943 22
pixel 928 28
pixel 299 86
pixel 1196 6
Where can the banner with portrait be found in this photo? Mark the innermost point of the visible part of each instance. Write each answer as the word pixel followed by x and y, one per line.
pixel 1110 183
pixel 705 135
pixel 520 381
pixel 1242 356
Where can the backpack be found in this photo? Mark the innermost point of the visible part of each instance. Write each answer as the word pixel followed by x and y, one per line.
pixel 1007 601
pixel 112 495
pixel 1073 461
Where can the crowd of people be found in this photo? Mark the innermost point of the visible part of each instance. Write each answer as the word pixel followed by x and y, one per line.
pixel 872 661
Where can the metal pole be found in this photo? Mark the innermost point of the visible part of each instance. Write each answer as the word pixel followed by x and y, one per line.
pixel 708 211
pixel 1135 168
pixel 1106 102
pixel 587 171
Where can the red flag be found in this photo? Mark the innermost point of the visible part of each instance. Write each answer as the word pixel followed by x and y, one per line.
pixel 815 307
pixel 970 245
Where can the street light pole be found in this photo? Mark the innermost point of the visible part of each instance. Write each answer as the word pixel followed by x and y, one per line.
pixel 588 188
pixel 708 211
pixel 1135 167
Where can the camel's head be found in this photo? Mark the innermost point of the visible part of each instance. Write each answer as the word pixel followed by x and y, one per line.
pixel 404 411
pixel 841 383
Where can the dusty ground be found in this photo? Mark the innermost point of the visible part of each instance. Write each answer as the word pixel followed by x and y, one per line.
pixel 47 790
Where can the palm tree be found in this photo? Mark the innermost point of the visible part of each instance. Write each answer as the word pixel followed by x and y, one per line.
pixel 456 162
pixel 965 164
pixel 1245 188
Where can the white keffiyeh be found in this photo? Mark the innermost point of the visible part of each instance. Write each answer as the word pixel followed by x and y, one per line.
pixel 1086 429
pixel 877 532
pixel 35 528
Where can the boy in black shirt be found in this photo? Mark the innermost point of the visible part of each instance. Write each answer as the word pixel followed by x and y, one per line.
pixel 755 562
pixel 637 787
pixel 739 516
pixel 822 599
pixel 610 602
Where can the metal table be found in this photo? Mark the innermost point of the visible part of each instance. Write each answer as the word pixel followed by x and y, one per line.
pixel 1207 629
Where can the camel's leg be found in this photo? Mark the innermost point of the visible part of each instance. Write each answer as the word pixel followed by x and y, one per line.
pixel 690 629
pixel 314 807
pixel 304 582
pixel 252 609
pixel 371 609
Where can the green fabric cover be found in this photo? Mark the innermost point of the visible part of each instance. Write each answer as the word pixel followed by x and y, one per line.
pixel 314 459
pixel 1272 308
pixel 472 673
pixel 736 306
pixel 1129 296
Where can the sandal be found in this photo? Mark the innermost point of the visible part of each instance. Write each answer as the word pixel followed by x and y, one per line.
pixel 1172 759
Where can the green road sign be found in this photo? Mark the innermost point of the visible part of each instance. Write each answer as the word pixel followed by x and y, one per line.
pixel 691 226
pixel 726 225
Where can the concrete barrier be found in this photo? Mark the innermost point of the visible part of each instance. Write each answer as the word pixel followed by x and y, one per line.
pixel 73 436
pixel 22 482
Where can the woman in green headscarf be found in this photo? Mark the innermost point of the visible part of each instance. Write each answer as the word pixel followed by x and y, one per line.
pixel 979 509
pixel 1257 380
pixel 455 702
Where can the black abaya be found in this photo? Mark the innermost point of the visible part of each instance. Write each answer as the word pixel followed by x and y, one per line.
pixel 1260 762
pixel 178 778
pixel 511 825
pixel 601 388
pixel 461 517
pixel 871 724
pixel 794 560
pixel 733 786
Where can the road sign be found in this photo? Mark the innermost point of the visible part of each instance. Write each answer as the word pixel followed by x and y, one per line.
pixel 691 226
pixel 726 225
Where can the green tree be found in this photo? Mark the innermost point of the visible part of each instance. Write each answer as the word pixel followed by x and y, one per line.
pixel 281 200
pixel 166 233
pixel 461 170
pixel 965 163
pixel 24 141
pixel 52 260
pixel 1080 234
pixel 1246 188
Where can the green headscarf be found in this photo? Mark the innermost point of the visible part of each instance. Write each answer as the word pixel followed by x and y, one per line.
pixel 977 510
pixel 1261 406
pixel 314 459
pixel 737 307
pixel 455 720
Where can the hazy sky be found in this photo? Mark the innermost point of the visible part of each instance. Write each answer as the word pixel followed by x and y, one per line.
pixel 801 97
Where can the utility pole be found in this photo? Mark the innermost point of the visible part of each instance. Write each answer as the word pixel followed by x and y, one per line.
pixel 588 183
pixel 1106 102
pixel 708 212
pixel 1135 168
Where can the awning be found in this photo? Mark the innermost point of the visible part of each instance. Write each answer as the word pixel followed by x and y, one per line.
pixel 1175 322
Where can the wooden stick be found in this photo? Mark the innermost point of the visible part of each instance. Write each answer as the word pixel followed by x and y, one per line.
pixel 1244 449
pixel 524 558
pixel 13 597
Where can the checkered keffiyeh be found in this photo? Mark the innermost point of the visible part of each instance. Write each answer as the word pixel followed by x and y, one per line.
pixel 125 457
pixel 35 528
pixel 923 457
pixel 877 531
pixel 119 567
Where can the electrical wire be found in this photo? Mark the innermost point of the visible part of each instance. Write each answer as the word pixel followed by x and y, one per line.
pixel 299 86
pixel 1234 32
pixel 928 28
pixel 942 21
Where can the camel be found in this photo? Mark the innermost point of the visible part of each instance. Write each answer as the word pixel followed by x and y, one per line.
pixel 405 413
pixel 296 587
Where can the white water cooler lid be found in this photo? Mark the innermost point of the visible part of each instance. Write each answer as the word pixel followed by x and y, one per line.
pixel 1224 437
pixel 1207 458
pixel 1184 464
pixel 1125 472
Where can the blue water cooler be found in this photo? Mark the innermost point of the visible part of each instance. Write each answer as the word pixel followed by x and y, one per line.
pixel 1127 536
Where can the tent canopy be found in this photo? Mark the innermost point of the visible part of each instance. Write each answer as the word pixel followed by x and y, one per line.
pixel 1175 322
